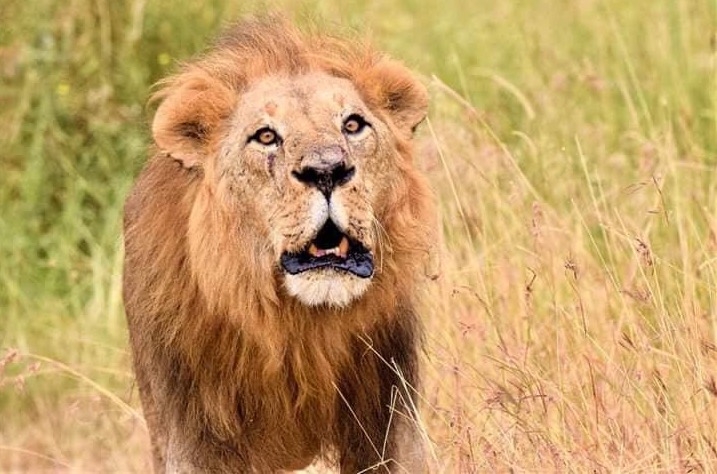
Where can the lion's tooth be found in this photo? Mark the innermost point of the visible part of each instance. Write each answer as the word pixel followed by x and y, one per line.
pixel 314 250
pixel 343 248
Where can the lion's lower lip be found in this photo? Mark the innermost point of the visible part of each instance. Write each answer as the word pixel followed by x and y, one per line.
pixel 358 263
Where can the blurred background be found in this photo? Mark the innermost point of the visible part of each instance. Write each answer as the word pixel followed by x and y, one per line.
pixel 572 145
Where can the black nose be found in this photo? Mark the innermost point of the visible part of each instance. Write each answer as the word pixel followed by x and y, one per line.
pixel 325 178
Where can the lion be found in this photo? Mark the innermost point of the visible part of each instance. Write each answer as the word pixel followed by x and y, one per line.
pixel 273 251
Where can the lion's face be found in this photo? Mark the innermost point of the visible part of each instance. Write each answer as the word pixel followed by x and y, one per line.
pixel 312 159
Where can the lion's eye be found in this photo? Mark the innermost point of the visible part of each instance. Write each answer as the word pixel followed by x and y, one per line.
pixel 266 136
pixel 354 124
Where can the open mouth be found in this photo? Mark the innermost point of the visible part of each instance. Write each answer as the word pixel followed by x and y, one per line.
pixel 333 249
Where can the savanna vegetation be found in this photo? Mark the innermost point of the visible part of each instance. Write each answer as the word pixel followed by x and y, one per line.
pixel 571 319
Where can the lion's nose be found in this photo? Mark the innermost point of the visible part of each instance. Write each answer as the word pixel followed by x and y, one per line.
pixel 325 168
pixel 325 178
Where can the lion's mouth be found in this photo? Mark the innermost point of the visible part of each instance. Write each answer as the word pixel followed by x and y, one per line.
pixel 333 249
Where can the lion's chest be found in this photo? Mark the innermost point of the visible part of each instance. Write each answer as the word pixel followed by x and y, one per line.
pixel 293 435
pixel 290 414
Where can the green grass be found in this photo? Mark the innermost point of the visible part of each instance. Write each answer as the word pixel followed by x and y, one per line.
pixel 572 144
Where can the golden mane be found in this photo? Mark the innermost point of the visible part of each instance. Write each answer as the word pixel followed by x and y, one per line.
pixel 211 326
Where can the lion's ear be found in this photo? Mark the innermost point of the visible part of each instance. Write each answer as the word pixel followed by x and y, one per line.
pixel 394 88
pixel 192 106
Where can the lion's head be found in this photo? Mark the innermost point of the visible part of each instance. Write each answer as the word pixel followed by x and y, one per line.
pixel 302 149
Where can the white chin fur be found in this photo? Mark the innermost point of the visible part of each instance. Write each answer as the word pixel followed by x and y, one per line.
pixel 326 287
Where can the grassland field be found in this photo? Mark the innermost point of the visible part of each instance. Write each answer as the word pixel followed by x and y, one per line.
pixel 572 145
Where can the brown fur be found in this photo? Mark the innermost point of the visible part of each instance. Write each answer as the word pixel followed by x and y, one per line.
pixel 236 375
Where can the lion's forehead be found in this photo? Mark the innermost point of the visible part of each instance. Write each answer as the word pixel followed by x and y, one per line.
pixel 306 96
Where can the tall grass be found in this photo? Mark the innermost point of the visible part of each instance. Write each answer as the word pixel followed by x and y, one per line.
pixel 572 143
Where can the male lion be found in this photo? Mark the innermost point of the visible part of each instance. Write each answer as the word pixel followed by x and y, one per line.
pixel 273 242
